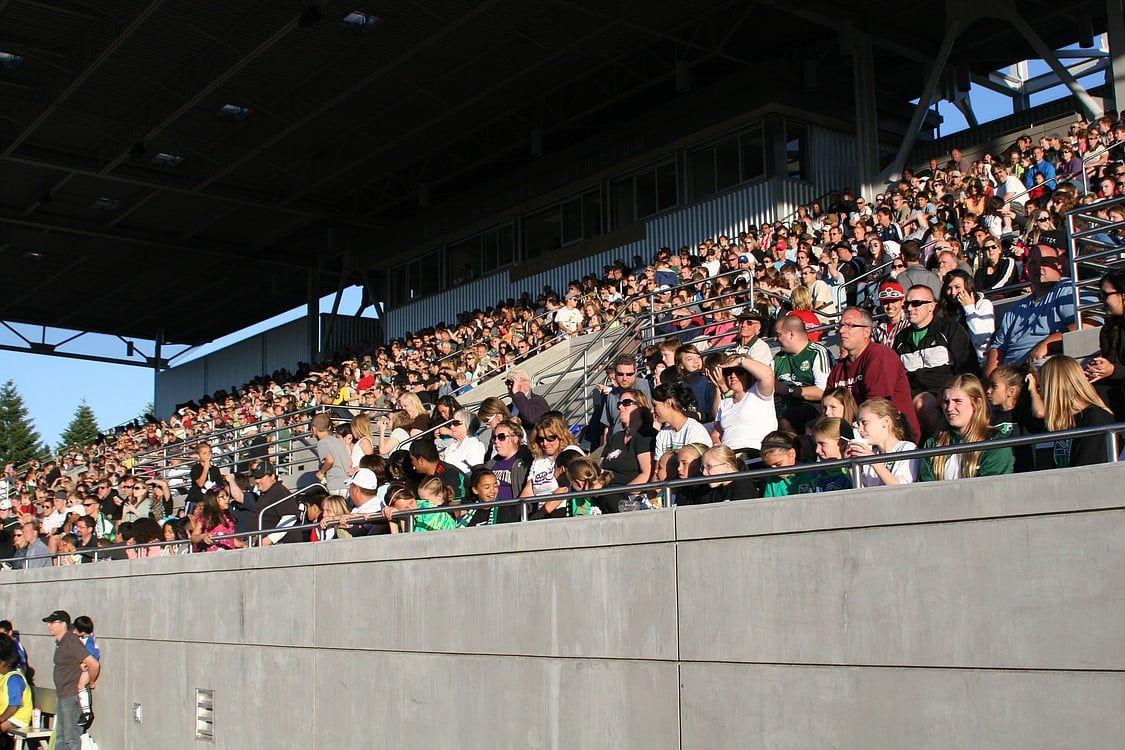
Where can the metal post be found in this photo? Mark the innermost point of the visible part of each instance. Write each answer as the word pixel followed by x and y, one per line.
pixel 669 498
pixel 1115 36
pixel 1112 446
pixel 523 512
pixel 857 475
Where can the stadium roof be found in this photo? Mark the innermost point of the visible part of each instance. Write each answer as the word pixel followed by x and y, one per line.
pixel 181 165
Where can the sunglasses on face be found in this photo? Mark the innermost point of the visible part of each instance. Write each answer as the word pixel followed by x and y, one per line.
pixel 621 374
pixel 502 436
pixel 547 439
pixel 626 402
pixel 919 302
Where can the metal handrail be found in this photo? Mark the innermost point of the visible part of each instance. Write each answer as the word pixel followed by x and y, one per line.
pixel 279 501
pixel 1081 226
pixel 853 465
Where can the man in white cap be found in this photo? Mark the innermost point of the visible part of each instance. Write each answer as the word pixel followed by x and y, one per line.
pixel 363 492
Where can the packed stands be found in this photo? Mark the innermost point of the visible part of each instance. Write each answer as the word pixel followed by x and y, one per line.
pixel 928 316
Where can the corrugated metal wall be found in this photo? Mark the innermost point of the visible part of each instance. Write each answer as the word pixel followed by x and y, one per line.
pixel 348 332
pixel 275 349
pixel 729 214
pixel 833 157
pixel 179 384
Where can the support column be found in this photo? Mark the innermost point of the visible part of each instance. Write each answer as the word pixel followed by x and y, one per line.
pixel 1115 35
pixel 312 316
pixel 866 113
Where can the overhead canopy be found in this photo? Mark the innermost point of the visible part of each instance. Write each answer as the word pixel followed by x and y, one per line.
pixel 181 166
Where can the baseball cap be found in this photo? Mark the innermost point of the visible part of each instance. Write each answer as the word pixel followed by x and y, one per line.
pixel 1054 238
pixel 5 504
pixel 59 615
pixel 891 290
pixel 264 469
pixel 365 479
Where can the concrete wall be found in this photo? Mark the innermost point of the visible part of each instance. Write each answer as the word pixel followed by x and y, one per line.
pixel 986 613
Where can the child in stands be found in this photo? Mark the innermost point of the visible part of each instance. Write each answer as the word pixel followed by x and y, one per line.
pixel 84 629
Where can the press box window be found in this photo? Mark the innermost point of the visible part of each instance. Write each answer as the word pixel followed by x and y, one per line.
pixel 726 163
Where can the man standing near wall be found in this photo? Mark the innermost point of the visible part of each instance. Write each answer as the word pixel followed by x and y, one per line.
pixel 70 657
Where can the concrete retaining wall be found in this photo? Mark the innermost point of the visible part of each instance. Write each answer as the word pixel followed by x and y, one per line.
pixel 986 613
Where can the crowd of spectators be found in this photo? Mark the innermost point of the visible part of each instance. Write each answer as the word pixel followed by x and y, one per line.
pixel 908 278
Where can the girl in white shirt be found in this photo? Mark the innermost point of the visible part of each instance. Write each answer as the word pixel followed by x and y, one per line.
pixel 883 430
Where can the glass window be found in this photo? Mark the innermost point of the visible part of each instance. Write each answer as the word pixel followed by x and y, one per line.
pixel 752 149
pixel 726 163
pixel 565 223
pixel 621 198
pixel 644 194
pixel 795 147
pixel 667 187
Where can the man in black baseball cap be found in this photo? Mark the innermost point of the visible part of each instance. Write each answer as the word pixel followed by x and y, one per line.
pixel 71 657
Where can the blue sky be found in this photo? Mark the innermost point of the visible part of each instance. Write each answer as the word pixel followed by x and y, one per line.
pixel 53 387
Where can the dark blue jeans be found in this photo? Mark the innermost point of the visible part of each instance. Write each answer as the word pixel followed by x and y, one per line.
pixel 68 732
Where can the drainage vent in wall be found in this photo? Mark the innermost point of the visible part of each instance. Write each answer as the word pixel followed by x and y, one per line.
pixel 205 715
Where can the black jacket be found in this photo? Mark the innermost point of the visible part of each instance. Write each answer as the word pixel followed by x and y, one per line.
pixel 943 352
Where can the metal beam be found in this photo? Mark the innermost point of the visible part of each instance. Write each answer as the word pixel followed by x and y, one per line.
pixel 206 91
pixel 36 159
pixel 42 350
pixel 350 91
pixel 82 77
pixel 1048 56
pixel 447 113
pixel 85 229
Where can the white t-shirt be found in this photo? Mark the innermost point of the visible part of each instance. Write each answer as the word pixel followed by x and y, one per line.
pixel 672 440
pixel 905 471
pixel 569 320
pixel 542 474
pixel 745 423
pixel 464 455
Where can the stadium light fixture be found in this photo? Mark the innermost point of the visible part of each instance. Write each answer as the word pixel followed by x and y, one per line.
pixel 165 159
pixel 360 21
pixel 234 112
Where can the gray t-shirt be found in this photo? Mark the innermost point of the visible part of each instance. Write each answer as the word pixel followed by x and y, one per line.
pixel 337 476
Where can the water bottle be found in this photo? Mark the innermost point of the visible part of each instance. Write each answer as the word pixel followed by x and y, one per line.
pixel 36 718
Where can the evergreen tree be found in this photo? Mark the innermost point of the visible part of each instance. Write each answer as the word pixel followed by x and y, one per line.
pixel 82 430
pixel 19 441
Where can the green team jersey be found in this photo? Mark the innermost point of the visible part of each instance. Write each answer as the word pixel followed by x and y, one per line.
pixel 810 366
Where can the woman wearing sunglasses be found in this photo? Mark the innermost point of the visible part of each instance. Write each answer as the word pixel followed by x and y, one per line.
pixel 628 452
pixel 550 438
pixel 463 450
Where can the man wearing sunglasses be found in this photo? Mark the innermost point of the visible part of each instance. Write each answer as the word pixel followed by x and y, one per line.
pixel 933 350
pixel 624 376
pixel 1034 327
